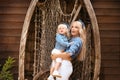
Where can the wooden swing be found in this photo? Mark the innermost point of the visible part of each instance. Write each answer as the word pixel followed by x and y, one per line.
pixel 37 38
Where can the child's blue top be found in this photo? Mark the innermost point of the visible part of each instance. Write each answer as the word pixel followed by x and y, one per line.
pixel 61 42
pixel 75 48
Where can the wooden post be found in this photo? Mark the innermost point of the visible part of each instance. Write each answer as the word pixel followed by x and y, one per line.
pixel 24 38
pixel 96 36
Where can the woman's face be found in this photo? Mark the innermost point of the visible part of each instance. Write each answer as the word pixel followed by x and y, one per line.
pixel 75 29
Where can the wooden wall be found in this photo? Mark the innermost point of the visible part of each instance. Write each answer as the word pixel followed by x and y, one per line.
pixel 12 14
pixel 108 15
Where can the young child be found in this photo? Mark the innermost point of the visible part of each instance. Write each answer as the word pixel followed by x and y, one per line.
pixel 60 45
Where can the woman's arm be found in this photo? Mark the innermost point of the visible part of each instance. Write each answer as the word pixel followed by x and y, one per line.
pixel 64 56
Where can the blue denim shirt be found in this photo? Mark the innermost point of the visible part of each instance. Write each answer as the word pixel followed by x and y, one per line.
pixel 75 48
pixel 61 42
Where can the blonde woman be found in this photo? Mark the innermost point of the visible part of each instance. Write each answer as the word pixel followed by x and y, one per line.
pixel 78 36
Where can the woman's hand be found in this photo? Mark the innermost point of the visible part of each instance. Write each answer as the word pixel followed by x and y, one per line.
pixel 53 56
pixel 64 56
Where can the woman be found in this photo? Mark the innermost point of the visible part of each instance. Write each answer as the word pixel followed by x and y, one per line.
pixel 78 35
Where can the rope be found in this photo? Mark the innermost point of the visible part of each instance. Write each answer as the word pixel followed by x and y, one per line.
pixel 73 11
pixel 34 65
pixel 43 3
pixel 76 14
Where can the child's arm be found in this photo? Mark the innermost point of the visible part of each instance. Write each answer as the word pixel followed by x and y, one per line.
pixel 71 43
pixel 61 41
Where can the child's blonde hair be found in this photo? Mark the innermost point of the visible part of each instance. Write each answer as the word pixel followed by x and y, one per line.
pixel 66 27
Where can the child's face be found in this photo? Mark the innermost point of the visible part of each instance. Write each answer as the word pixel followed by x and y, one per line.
pixel 62 30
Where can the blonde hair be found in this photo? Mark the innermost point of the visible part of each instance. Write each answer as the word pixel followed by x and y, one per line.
pixel 66 27
pixel 82 34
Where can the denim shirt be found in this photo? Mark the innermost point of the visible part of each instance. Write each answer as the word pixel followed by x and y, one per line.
pixel 61 42
pixel 75 48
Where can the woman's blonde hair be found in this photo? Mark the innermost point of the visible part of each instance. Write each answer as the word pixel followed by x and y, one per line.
pixel 82 34
pixel 66 27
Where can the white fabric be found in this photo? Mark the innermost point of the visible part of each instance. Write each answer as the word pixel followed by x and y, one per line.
pixel 59 60
pixel 50 78
pixel 65 70
pixel 56 51
pixel 66 67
